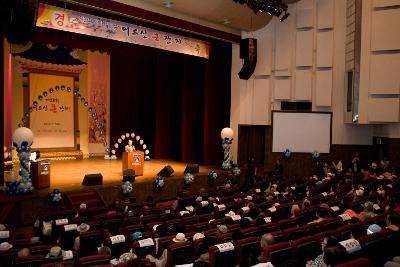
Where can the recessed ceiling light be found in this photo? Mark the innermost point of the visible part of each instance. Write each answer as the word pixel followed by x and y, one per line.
pixel 226 21
pixel 168 4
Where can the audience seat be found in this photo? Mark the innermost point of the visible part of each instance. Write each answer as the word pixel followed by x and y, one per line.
pixel 304 249
pixel 7 257
pixel 68 263
pixel 89 241
pixel 247 251
pixel 360 262
pixel 94 260
pixel 179 253
pixel 31 261
pixel 118 249
pixel 141 252
pixel 277 253
pixel 217 258
pixel 40 250
pixel 375 247
pixel 163 243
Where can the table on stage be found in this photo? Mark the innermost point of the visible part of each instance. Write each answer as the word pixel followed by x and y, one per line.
pixel 133 160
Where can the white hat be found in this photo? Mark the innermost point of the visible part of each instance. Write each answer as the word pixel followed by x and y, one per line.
pixel 83 228
pixel 54 253
pixel 180 237
pixel 249 198
pixel 155 227
pixel 230 214
pixel 82 206
pixel 198 236
pixel 199 198
pixel 5 246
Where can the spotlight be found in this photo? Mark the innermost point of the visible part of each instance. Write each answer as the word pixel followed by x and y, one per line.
pixel 272 7
pixel 285 16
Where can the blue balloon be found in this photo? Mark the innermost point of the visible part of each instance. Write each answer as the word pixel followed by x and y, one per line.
pixel 24 143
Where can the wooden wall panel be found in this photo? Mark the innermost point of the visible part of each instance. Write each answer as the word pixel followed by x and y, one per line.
pixel 304 48
pixel 323 88
pixel 384 74
pixel 303 87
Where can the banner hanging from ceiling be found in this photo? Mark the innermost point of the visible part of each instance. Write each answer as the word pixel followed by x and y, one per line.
pixel 77 22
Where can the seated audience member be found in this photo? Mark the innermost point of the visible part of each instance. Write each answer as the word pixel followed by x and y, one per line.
pixel 221 229
pixel 55 254
pixel 175 203
pixel 334 255
pixel 82 228
pixel 180 237
pixel 368 211
pixel 208 242
pixel 245 223
pixel 393 263
pixel 321 214
pixel 265 241
pixel 295 211
pixel 393 222
pixel 25 252
pixel 127 257
pixel 319 260
pixel 373 228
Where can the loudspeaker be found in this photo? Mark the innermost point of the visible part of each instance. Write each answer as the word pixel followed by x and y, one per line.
pixel 167 171
pixel 192 168
pixel 18 18
pixel 93 179
pixel 248 52
pixel 128 175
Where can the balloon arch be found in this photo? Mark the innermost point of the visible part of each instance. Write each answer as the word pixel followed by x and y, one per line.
pixel 135 138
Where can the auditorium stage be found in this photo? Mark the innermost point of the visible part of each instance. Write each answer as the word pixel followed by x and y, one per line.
pixel 67 175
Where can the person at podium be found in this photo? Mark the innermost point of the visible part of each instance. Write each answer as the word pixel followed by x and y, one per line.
pixel 130 147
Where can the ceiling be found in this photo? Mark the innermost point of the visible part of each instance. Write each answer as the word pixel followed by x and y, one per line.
pixel 210 13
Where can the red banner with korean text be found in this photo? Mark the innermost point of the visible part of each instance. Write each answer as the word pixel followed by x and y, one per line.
pixel 77 22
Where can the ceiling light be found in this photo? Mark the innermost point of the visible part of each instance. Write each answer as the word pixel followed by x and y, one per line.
pixel 285 16
pixel 168 4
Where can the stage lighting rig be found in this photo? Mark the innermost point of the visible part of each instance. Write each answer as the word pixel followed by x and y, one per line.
pixel 272 7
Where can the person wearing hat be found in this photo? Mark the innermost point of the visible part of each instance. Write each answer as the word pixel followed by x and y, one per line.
pixel 368 211
pixel 180 237
pixel 5 246
pixel 82 228
pixel 373 228
pixel 136 236
pixel 54 254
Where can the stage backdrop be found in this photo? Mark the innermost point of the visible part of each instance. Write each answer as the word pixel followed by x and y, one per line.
pixel 52 121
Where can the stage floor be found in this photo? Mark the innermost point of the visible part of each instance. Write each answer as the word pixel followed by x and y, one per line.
pixel 67 175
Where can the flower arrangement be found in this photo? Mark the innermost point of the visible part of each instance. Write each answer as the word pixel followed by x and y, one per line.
pixel 126 188
pixel 158 182
pixel 287 153
pixel 315 154
pixel 188 178
pixel 212 176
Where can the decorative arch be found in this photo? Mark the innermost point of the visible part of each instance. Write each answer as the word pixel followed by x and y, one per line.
pixel 80 99
pixel 137 141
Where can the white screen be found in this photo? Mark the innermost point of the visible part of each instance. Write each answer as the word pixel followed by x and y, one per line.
pixel 301 132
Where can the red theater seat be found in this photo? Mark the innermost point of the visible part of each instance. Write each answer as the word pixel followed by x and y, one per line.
pixel 94 260
pixel 179 253
pixel 217 258
pixel 277 253
pixel 360 262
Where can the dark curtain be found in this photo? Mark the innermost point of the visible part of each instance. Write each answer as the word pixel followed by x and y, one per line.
pixel 177 103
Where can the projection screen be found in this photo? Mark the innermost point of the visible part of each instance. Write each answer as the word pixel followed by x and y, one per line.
pixel 301 132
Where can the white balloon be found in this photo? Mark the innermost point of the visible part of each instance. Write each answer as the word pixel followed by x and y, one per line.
pixel 127 134
pixel 116 145
pixel 22 134
pixel 147 151
pixel 227 133
pixel 123 137
pixel 119 140
pixel 113 151
pixel 141 142
pixel 144 146
pixel 132 135
pixel 138 137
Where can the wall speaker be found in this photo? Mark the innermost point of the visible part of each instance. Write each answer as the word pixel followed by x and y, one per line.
pixel 128 175
pixel 167 171
pixel 93 179
pixel 18 19
pixel 192 168
pixel 248 52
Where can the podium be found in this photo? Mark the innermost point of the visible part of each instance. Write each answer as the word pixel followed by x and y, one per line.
pixel 40 173
pixel 133 160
